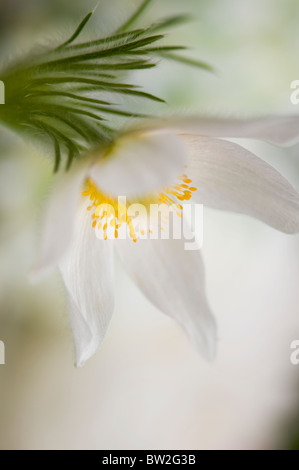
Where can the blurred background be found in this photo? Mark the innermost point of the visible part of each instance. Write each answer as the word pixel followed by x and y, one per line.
pixel 147 388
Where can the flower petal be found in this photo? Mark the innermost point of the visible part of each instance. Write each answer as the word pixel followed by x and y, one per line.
pixel 231 178
pixel 140 163
pixel 59 220
pixel 278 130
pixel 173 280
pixel 87 270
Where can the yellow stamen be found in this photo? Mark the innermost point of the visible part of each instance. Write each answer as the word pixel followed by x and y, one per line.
pixel 108 213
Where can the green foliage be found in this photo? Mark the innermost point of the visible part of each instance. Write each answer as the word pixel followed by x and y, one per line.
pixel 135 16
pixel 63 96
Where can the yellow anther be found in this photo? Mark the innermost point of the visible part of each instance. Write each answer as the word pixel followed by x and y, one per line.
pixel 106 209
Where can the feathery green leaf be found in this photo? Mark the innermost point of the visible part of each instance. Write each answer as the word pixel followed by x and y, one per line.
pixel 77 32
pixel 170 22
pixel 63 95
pixel 135 16
pixel 188 61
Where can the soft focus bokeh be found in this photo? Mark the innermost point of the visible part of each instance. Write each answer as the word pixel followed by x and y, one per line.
pixel 147 388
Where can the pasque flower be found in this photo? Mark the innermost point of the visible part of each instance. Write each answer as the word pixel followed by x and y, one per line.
pixel 61 97
pixel 177 160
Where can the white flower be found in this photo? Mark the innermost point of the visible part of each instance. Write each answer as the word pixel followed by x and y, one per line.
pixel 225 175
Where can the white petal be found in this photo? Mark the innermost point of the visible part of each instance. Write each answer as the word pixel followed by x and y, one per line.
pixel 280 130
pixel 59 220
pixel 140 163
pixel 231 178
pixel 173 280
pixel 87 270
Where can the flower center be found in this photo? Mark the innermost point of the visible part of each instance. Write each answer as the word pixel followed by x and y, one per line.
pixel 110 214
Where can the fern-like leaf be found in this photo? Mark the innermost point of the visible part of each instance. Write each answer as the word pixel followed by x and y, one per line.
pixel 63 95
